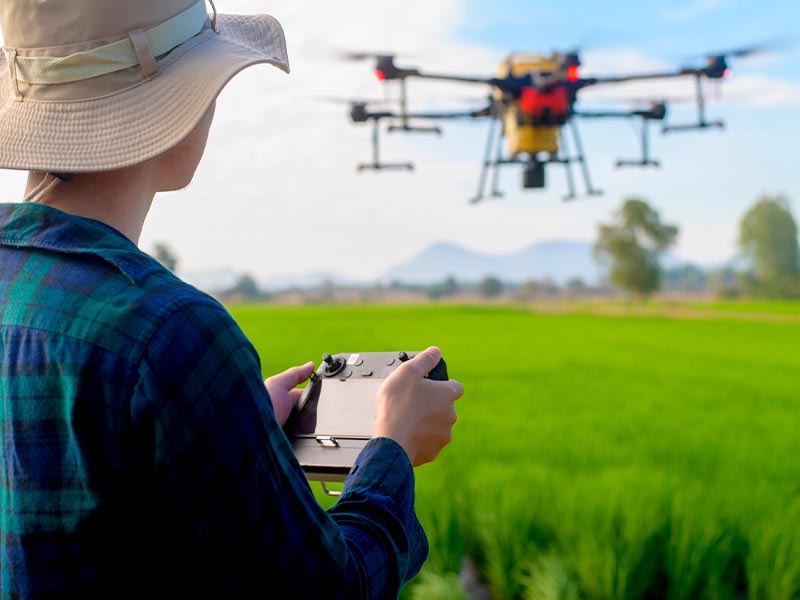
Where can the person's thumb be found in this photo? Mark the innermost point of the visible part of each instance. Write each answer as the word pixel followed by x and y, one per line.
pixel 294 376
pixel 424 362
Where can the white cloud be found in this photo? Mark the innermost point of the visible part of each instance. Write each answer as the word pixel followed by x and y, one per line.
pixel 762 92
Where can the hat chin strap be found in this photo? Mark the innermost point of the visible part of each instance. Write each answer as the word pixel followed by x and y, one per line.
pixel 42 188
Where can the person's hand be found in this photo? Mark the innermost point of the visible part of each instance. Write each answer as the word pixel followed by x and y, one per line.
pixel 415 412
pixel 283 390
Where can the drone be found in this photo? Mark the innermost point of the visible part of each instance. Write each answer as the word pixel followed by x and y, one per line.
pixel 531 106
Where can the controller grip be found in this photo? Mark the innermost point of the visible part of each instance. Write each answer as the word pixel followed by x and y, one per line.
pixel 439 372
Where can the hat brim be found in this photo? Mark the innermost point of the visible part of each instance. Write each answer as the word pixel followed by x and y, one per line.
pixel 139 123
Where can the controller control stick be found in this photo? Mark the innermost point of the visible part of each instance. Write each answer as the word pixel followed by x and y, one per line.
pixel 332 365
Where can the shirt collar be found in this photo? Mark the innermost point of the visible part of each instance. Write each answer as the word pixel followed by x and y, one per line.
pixel 30 225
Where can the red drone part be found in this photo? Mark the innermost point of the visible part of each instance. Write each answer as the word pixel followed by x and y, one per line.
pixel 534 102
pixel 572 73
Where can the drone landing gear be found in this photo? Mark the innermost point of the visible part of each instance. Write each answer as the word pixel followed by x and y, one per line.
pixel 385 167
pixel 410 128
pixel 533 174
pixel 702 123
pixel 566 159
pixel 376 164
pixel 645 161
pixel 494 143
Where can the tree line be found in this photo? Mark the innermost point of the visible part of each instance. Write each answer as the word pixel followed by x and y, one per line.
pixel 632 246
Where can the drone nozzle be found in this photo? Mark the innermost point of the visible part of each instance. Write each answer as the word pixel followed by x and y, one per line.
pixel 533 176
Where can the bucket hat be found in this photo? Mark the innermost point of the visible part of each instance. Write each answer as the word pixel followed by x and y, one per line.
pixel 96 85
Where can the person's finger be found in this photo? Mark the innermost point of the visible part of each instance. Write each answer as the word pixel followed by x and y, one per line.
pixel 458 389
pixel 294 376
pixel 424 362
pixel 294 395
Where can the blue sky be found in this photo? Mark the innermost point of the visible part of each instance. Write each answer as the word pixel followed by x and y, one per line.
pixel 672 30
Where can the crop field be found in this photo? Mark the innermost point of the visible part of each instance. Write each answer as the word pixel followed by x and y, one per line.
pixel 599 454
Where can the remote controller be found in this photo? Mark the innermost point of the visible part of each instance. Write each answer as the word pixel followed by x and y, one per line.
pixel 336 413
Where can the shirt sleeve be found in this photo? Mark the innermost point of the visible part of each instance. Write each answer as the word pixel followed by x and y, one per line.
pixel 234 491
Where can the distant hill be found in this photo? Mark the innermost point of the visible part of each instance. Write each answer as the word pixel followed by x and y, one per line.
pixel 559 260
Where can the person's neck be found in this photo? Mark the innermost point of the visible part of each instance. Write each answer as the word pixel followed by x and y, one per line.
pixel 120 199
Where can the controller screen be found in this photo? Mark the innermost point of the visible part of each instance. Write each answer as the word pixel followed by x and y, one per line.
pixel 343 408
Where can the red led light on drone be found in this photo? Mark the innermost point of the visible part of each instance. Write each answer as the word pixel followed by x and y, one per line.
pixel 572 73
pixel 726 73
pixel 379 75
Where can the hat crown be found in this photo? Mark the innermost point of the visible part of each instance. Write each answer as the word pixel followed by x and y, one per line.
pixel 48 23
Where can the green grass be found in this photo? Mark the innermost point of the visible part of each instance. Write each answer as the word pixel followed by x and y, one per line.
pixel 601 457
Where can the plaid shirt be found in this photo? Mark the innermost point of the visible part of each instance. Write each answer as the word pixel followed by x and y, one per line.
pixel 140 456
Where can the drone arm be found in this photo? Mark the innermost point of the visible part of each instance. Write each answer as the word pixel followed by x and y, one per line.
pixel 467 114
pixel 622 114
pixel 590 81
pixel 657 112
pixel 457 78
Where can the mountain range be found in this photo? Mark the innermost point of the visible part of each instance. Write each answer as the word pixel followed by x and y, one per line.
pixel 556 260
pixel 559 261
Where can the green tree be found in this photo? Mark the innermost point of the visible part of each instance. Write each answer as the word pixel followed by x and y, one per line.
pixel 686 278
pixel 490 286
pixel 632 245
pixel 768 239
pixel 245 287
pixel 163 254
pixel 448 287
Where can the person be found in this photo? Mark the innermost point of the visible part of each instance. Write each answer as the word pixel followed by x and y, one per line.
pixel 141 453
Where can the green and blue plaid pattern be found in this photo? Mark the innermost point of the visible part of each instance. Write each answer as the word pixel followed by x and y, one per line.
pixel 139 453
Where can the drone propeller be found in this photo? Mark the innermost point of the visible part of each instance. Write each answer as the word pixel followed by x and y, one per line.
pixel 350 101
pixel 359 56
pixel 746 51
pixel 758 49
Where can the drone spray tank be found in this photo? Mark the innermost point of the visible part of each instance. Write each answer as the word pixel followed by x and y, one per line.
pixel 532 121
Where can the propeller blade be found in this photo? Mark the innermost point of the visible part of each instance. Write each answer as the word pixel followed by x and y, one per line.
pixel 348 101
pixel 365 55
pixel 757 49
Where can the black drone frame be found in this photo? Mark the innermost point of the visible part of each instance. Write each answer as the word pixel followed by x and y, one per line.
pixel 511 88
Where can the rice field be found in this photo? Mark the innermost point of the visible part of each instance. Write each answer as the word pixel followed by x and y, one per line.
pixel 605 452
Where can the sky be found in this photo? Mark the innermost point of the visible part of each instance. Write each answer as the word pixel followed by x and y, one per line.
pixel 277 192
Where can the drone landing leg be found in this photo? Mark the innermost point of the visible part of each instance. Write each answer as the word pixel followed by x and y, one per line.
pixel 701 113
pixel 581 158
pixel 376 143
pixel 404 102
pixel 496 193
pixel 567 160
pixel 645 161
pixel 376 164
pixel 485 164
